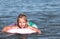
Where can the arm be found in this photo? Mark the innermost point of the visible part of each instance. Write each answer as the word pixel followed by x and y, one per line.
pixel 5 29
pixel 35 29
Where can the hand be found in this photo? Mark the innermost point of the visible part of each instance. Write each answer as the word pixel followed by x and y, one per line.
pixel 39 32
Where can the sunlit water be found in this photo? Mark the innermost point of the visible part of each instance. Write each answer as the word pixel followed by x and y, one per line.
pixel 45 13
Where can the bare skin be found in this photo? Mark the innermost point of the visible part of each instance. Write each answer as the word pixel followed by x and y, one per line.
pixel 16 27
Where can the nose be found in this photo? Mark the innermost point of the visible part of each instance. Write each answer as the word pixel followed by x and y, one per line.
pixel 22 24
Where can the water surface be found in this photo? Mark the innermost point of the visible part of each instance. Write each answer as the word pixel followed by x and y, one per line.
pixel 45 13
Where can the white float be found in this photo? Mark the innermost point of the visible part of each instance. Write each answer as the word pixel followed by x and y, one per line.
pixel 21 31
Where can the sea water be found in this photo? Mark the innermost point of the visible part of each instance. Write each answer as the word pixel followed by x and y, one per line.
pixel 45 13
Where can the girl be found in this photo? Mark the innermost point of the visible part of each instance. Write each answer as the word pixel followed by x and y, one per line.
pixel 22 22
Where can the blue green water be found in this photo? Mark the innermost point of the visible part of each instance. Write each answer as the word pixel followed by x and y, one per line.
pixel 45 13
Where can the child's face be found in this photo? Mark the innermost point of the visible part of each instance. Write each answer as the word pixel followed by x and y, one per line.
pixel 22 22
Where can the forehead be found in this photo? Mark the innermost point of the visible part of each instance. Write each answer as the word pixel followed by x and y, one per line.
pixel 22 20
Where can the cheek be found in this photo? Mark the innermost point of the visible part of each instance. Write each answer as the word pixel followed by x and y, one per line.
pixel 19 23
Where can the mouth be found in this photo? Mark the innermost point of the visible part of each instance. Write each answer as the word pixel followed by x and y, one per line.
pixel 22 26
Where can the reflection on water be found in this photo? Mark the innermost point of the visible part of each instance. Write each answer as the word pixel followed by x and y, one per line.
pixel 45 13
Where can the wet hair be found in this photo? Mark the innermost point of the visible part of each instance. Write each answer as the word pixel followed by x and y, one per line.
pixel 21 16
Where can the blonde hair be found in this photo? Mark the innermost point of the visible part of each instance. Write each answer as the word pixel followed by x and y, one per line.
pixel 21 16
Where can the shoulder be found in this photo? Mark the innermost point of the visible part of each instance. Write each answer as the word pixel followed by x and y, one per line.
pixel 30 27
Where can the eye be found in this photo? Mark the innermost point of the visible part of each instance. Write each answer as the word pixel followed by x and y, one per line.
pixel 19 22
